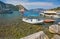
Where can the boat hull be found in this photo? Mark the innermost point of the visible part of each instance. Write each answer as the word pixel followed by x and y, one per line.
pixel 32 21
pixel 48 20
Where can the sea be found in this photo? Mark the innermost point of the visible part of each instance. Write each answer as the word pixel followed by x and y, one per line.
pixel 9 18
pixel 14 17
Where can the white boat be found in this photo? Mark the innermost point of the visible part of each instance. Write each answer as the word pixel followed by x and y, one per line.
pixel 32 21
pixel 58 23
pixel 32 17
pixel 56 16
pixel 51 14
pixel 42 14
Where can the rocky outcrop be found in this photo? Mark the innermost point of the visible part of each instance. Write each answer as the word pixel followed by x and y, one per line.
pixel 56 37
pixel 54 29
pixel 21 7
pixel 4 6
pixel 38 35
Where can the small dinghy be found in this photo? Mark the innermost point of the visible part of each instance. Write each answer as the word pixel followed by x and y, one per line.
pixel 58 23
pixel 49 20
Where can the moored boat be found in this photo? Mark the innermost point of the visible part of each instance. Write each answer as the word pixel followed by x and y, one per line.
pixel 58 23
pixel 32 17
pixel 49 20
pixel 32 21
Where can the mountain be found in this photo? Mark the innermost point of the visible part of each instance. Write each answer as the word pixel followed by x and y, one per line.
pixel 21 7
pixel 57 8
pixel 38 9
pixel 2 5
pixel 10 6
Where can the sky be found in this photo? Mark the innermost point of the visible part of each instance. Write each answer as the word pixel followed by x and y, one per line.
pixel 32 4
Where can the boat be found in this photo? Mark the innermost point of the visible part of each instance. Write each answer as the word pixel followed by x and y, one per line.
pixel 32 17
pixel 58 23
pixel 48 20
pixel 49 13
pixel 32 21
pixel 56 16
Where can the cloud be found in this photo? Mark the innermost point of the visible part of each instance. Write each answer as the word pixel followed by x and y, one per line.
pixel 45 5
pixel 32 5
pixel 15 1
pixel 37 3
pixel 26 2
pixel 18 0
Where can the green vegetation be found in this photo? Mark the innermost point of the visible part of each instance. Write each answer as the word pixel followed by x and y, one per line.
pixel 12 7
pixel 21 7
pixel 58 8
pixel 16 29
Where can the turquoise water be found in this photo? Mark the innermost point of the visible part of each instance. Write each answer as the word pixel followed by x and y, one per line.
pixel 9 18
pixel 6 18
pixel 31 14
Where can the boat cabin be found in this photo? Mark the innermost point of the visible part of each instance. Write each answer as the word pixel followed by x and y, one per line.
pixel 53 14
pixel 50 13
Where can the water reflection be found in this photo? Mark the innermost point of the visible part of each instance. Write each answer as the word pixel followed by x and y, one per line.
pixel 7 18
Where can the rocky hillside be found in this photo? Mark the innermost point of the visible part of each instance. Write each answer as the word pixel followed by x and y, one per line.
pixel 2 5
pixel 21 7
pixel 10 6
pixel 57 8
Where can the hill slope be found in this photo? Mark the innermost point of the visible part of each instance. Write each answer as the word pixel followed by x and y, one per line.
pixel 9 6
pixel 58 8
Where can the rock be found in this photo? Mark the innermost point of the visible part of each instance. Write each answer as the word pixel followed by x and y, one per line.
pixel 56 37
pixel 38 35
pixel 54 29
